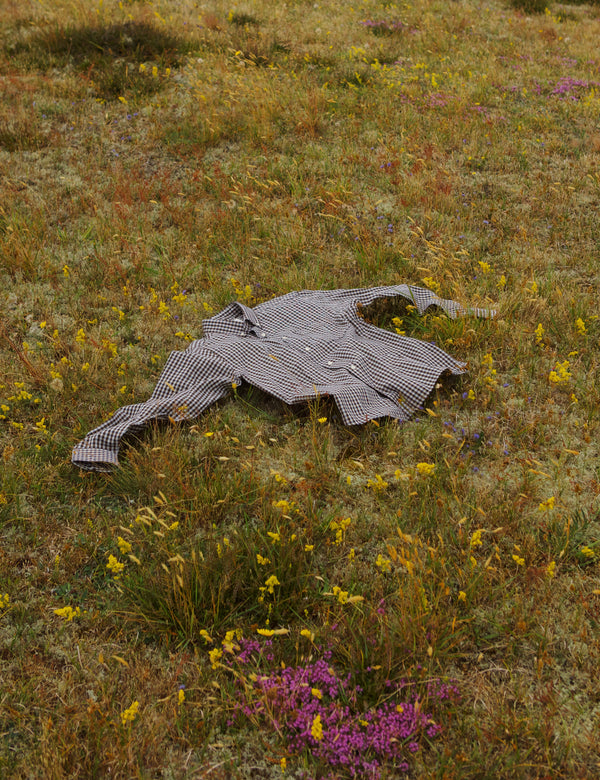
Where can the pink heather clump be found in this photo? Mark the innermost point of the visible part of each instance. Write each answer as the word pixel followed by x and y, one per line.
pixel 353 739
pixel 568 87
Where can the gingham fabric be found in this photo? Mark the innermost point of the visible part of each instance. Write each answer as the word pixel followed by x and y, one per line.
pixel 297 347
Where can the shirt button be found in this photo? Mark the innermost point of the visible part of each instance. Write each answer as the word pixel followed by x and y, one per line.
pixel 330 362
pixel 263 334
pixel 307 349
pixel 353 367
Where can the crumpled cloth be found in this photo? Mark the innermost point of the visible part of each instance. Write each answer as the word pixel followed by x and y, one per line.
pixel 296 347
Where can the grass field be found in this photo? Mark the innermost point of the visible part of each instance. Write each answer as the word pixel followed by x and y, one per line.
pixel 264 593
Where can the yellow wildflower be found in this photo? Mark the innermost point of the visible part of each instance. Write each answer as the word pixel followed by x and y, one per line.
pixel 518 560
pixel 425 469
pixel 539 333
pixel 378 483
pixel 115 566
pixel 560 374
pixel 580 326
pixel 124 546
pixel 271 582
pixel 341 595
pixel 228 644
pixel 68 613
pixel 129 715
pixel 316 729
pixel 431 283
pixel 215 656
pixel 547 504
pixel 180 697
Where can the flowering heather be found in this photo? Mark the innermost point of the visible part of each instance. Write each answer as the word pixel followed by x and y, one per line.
pixel 569 88
pixel 320 711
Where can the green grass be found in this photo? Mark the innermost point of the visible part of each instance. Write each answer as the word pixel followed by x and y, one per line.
pixel 159 161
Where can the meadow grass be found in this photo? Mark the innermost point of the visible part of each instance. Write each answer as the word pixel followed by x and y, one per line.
pixel 263 592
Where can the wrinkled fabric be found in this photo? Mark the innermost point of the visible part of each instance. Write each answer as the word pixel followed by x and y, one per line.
pixel 296 347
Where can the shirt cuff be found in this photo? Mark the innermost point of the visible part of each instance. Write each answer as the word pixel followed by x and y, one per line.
pixel 94 458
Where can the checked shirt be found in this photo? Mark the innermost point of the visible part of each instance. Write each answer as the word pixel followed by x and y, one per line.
pixel 296 347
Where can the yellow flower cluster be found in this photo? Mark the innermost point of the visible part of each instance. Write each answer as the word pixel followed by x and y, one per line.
pixel 378 483
pixel 124 546
pixel 397 322
pixel 68 613
pixel 431 283
pixel 560 374
pixel 539 334
pixel 340 526
pixel 215 656
pixel 115 566
pixel 341 595
pixel 316 729
pixel 270 584
pixel 547 504
pixel 130 714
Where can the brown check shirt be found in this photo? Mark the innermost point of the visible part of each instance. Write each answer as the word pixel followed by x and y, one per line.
pixel 296 347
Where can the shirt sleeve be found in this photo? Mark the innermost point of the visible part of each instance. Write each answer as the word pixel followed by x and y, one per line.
pixel 190 382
